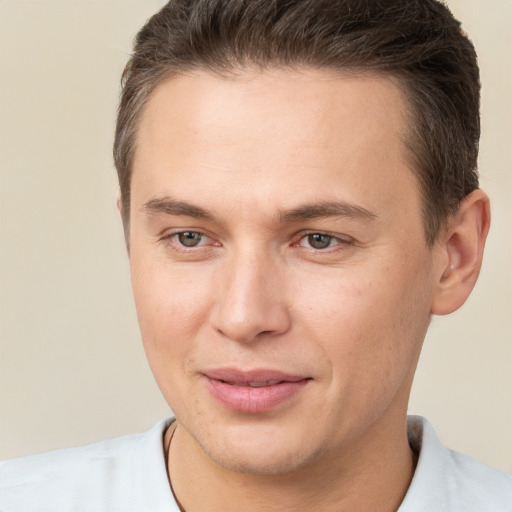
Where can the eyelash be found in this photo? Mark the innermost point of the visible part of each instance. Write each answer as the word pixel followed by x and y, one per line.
pixel 172 240
pixel 341 243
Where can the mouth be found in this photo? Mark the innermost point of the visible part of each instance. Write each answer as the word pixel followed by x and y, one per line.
pixel 254 384
pixel 253 391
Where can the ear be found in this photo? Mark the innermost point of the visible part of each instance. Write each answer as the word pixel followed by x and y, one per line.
pixel 119 202
pixel 120 209
pixel 461 248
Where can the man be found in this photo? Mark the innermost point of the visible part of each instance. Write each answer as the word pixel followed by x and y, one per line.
pixel 299 196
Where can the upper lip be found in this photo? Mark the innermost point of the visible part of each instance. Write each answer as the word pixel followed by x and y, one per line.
pixel 236 376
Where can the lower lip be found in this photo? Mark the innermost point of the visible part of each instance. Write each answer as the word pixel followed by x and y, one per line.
pixel 253 400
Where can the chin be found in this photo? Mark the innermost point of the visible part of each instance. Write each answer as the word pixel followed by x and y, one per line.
pixel 265 456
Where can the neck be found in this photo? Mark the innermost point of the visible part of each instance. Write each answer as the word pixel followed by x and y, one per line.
pixel 373 474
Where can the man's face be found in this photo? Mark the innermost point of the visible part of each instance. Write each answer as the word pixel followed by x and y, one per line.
pixel 279 265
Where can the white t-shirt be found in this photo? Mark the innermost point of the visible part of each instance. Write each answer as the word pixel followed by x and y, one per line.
pixel 128 474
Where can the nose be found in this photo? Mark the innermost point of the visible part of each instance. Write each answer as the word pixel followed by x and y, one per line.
pixel 251 300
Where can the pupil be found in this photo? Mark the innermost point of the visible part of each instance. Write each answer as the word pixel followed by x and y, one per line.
pixel 189 239
pixel 318 241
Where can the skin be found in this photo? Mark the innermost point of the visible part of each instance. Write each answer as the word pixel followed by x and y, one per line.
pixel 247 161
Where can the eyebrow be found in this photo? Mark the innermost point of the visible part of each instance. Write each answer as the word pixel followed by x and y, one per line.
pixel 171 206
pixel 324 209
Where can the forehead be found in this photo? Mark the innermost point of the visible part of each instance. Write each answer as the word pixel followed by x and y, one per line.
pixel 257 130
pixel 254 102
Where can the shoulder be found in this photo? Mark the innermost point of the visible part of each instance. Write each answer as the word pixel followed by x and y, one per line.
pixel 446 480
pixel 101 476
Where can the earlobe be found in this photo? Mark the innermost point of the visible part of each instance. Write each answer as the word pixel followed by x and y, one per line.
pixel 461 249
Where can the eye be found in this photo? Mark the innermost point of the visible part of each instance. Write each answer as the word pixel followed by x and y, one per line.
pixel 190 238
pixel 320 241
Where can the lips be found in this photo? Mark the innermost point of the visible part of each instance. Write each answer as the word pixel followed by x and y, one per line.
pixel 253 391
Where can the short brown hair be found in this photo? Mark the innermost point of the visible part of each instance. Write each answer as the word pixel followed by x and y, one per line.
pixel 417 41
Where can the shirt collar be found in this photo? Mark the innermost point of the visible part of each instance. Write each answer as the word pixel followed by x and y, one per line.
pixel 152 488
pixel 448 481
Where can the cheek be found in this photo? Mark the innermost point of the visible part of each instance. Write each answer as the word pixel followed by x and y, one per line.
pixel 368 324
pixel 172 306
pixel 338 308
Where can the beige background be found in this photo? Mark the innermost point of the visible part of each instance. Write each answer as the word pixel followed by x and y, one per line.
pixel 72 369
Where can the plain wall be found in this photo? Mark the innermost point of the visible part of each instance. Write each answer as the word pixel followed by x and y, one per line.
pixel 72 368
